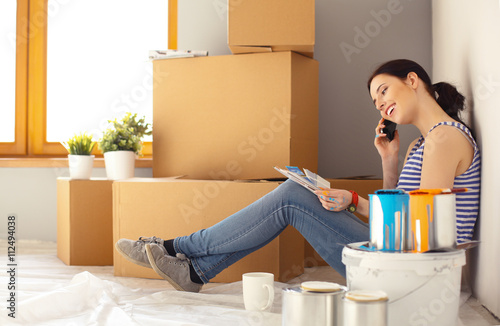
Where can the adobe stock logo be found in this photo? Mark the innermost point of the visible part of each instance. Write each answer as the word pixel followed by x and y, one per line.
pixel 486 87
pixel 442 305
pixel 363 37
pixel 222 7
pixel 36 22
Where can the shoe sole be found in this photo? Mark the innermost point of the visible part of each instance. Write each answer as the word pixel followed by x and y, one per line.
pixel 159 272
pixel 130 259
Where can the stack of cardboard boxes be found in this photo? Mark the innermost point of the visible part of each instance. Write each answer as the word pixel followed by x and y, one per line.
pixel 223 122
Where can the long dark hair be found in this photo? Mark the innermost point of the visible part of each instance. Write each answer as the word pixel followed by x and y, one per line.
pixel 446 95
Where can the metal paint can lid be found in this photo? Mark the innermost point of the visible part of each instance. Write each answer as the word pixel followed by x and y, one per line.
pixel 390 192
pixel 366 296
pixel 317 286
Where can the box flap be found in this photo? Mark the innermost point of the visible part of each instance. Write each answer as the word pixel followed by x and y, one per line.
pixel 240 49
pixel 305 50
pixel 164 179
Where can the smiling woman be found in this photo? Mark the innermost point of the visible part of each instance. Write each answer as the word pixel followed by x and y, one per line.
pixel 402 91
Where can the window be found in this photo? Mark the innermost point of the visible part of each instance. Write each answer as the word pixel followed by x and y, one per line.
pixel 8 69
pixel 13 77
pixel 87 62
pixel 100 71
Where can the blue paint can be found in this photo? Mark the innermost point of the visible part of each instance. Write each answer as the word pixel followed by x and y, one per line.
pixel 389 220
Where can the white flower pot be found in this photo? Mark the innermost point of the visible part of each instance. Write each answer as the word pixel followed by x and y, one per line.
pixel 119 164
pixel 80 166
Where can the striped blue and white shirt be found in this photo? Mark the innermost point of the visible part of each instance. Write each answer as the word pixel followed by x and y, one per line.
pixel 467 203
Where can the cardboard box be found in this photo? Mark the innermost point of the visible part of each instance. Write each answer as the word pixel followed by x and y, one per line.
pixel 168 208
pixel 363 187
pixel 278 25
pixel 236 116
pixel 85 222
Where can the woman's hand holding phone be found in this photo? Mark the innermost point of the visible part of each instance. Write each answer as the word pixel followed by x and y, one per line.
pixel 389 129
pixel 386 147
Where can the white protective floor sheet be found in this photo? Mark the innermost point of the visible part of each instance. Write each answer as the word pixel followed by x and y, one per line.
pixel 51 293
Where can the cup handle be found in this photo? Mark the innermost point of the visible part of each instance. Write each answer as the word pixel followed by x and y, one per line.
pixel 270 290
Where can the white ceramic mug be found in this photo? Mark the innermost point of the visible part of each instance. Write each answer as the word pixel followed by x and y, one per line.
pixel 258 291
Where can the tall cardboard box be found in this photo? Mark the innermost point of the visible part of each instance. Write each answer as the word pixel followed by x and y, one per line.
pixel 236 116
pixel 85 222
pixel 278 25
pixel 168 208
pixel 363 187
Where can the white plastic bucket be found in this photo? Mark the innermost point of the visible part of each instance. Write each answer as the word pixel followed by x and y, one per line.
pixel 423 288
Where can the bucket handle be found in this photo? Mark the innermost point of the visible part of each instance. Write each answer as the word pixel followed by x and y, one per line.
pixel 414 290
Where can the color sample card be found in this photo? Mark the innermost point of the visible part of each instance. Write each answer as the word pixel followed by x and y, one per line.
pixel 310 180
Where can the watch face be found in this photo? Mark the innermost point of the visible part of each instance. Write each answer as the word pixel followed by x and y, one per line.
pixel 351 208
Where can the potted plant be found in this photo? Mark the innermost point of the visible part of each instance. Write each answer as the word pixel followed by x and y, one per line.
pixel 80 159
pixel 121 144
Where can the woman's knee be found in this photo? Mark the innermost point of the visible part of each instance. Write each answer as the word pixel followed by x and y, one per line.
pixel 292 191
pixel 288 187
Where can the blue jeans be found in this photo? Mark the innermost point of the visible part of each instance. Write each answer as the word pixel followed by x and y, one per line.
pixel 214 249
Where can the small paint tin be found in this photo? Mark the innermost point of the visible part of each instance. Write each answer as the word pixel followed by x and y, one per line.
pixel 362 308
pixel 313 303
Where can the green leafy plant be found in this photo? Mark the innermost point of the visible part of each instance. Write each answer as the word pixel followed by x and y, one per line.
pixel 81 144
pixel 126 134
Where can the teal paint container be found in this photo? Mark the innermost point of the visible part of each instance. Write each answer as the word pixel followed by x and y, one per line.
pixel 389 220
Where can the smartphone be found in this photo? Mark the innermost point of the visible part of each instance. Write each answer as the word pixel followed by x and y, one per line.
pixel 390 128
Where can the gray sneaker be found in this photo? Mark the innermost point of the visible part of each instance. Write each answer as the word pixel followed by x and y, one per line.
pixel 134 250
pixel 174 269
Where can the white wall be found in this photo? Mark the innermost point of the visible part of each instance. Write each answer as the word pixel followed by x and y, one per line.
pixel 466 50
pixel 202 25
pixel 352 38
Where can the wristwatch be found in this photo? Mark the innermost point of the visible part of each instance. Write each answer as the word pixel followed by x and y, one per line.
pixel 354 203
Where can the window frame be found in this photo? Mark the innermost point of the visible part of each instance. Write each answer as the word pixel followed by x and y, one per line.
pixel 31 82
